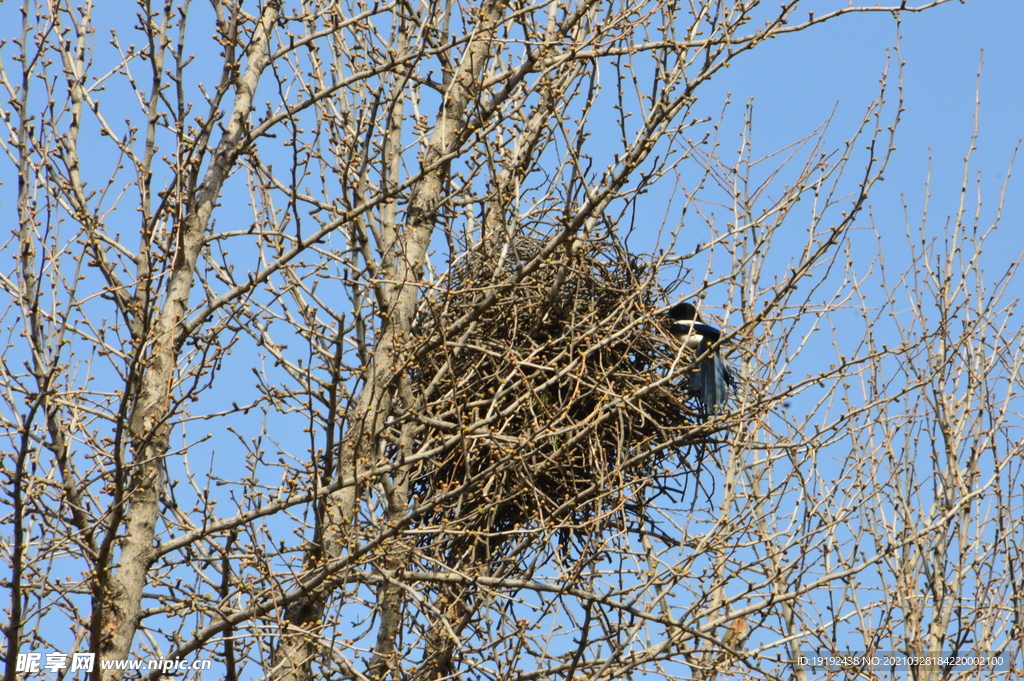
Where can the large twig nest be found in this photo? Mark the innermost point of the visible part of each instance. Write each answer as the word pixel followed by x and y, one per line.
pixel 570 395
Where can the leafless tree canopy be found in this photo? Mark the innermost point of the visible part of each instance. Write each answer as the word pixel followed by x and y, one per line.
pixel 336 348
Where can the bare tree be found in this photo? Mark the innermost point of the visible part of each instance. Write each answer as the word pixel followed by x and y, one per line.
pixel 328 356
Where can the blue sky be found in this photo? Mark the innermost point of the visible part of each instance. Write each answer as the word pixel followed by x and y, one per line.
pixel 796 82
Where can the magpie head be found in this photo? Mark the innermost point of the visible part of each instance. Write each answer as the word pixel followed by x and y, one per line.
pixel 683 312
pixel 686 324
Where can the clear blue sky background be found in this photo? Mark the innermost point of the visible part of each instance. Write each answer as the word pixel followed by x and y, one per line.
pixel 797 80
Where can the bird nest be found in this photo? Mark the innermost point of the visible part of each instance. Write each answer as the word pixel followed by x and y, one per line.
pixel 569 399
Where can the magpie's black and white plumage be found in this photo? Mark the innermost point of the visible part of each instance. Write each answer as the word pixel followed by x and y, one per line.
pixel 712 378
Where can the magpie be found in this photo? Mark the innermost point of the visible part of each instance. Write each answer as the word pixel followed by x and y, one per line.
pixel 712 379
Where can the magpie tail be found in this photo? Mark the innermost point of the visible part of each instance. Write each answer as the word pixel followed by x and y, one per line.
pixel 711 383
